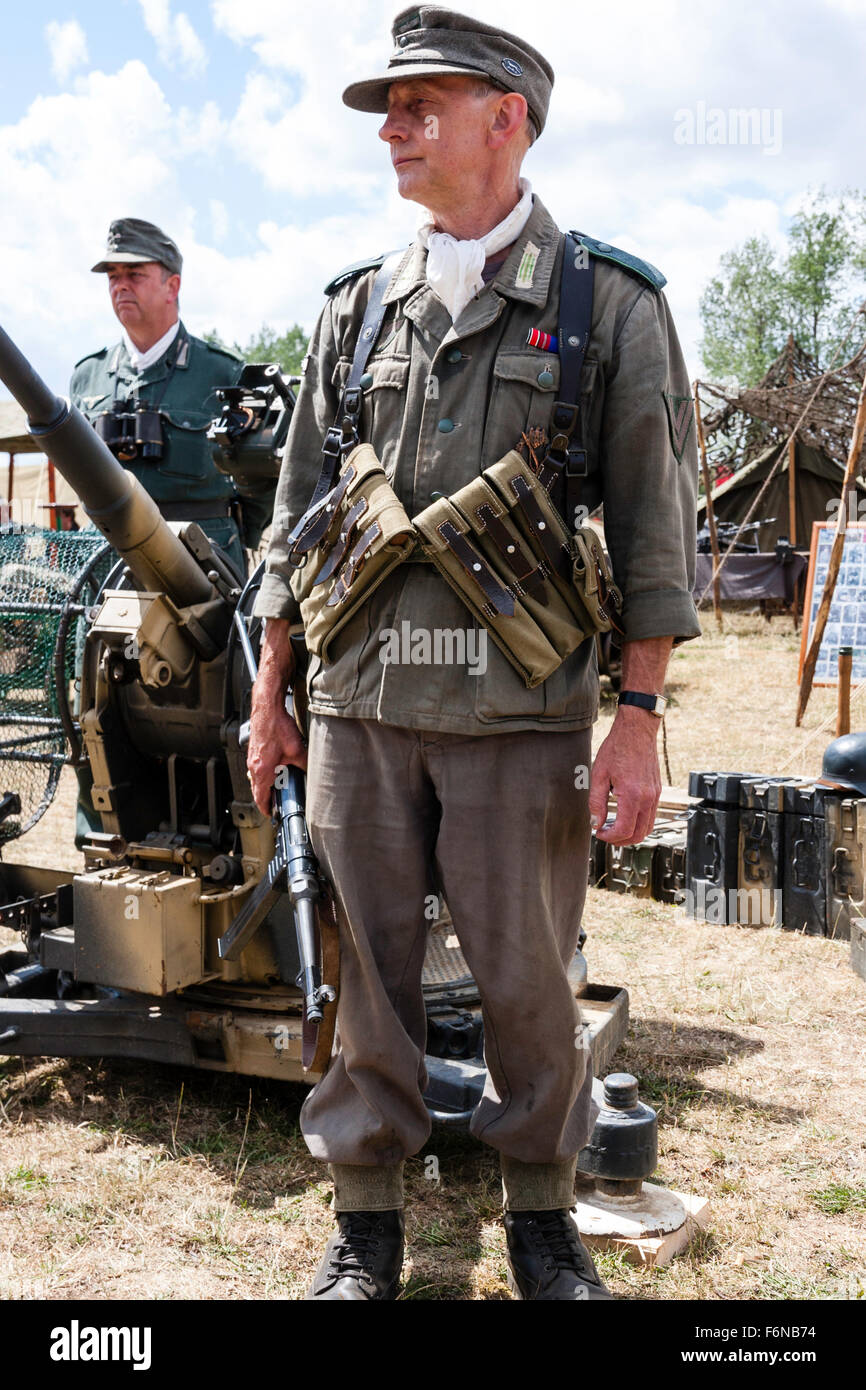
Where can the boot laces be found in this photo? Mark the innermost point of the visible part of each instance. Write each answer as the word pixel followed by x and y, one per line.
pixel 554 1233
pixel 354 1255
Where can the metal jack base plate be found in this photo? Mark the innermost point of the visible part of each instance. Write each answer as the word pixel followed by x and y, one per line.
pixel 649 1226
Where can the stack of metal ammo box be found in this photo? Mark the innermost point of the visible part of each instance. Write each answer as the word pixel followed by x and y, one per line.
pixel 755 849
pixel 775 851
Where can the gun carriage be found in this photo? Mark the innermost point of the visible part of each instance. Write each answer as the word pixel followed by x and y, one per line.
pixel 176 942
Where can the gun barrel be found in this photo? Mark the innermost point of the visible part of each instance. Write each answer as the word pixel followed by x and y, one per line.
pixel 113 498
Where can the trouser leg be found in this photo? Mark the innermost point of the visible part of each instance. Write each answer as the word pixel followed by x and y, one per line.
pixel 372 817
pixel 512 854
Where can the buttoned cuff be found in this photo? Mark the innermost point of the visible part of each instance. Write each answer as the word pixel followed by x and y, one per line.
pixel 661 613
pixel 276 600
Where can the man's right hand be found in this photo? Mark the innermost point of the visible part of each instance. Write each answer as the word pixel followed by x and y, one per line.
pixel 275 739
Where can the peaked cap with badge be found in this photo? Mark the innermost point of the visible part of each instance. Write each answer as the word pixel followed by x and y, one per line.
pixel 430 42
pixel 131 240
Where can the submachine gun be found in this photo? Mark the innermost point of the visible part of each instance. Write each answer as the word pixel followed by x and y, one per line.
pixel 199 931
pixel 164 687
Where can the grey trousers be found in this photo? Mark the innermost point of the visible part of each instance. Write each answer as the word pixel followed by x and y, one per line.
pixel 499 826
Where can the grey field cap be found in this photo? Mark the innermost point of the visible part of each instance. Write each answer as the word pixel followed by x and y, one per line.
pixel 131 240
pixel 430 40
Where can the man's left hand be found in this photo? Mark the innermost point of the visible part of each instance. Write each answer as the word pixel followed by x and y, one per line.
pixel 627 767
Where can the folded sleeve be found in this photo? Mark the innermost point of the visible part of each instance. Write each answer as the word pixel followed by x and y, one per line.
pixel 649 468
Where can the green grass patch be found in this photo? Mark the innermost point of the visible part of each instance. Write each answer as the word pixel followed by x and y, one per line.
pixel 837 1198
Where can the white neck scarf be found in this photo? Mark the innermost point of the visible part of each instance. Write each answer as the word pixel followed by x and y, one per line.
pixel 454 267
pixel 142 360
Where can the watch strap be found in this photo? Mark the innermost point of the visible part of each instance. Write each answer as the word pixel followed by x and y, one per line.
pixel 656 704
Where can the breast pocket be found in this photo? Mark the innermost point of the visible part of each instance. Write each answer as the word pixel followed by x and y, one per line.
pixel 524 388
pixel 187 452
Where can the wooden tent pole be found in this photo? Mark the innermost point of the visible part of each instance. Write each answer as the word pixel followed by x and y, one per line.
pixel 711 515
pixel 792 457
pixel 835 557
pixel 52 497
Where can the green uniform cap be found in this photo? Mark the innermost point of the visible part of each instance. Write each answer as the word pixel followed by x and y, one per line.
pixel 430 41
pixel 132 240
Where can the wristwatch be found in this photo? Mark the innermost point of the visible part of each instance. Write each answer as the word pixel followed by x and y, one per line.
pixel 655 704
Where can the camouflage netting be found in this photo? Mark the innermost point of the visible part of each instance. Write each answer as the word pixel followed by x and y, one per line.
pixel 43 576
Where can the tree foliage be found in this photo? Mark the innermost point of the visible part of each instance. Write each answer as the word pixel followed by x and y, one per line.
pixel 759 296
pixel 288 349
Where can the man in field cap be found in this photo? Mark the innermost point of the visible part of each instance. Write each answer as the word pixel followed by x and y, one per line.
pixel 492 332
pixel 160 366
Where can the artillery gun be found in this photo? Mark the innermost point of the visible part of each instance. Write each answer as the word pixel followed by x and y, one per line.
pixel 123 958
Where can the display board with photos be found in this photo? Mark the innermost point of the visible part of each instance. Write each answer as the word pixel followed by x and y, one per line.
pixel 846 624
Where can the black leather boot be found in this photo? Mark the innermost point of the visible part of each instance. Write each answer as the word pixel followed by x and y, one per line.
pixel 547 1260
pixel 363 1259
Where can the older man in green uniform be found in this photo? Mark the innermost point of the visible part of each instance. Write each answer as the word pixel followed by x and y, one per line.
pixel 152 397
pixel 160 382
pixel 435 776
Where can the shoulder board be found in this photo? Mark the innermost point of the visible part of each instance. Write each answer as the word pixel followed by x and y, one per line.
pixel 351 271
pixel 220 348
pixel 92 356
pixel 624 259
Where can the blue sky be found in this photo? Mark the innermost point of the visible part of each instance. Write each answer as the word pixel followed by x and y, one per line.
pixel 222 121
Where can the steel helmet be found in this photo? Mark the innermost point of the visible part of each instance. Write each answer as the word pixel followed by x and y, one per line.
pixel 844 764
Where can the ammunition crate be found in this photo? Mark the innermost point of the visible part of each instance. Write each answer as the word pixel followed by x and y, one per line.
pixel 804 874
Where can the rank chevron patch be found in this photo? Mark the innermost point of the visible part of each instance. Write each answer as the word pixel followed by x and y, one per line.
pixel 681 413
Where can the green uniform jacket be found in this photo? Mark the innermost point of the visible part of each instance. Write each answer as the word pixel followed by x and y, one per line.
pixel 182 384
pixel 445 401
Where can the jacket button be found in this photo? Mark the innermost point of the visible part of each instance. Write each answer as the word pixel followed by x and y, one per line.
pixel 545 378
pixel 366 380
pixel 603 246
pixel 445 426
pixel 454 355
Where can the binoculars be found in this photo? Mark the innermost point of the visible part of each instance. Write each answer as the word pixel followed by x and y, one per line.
pixel 131 434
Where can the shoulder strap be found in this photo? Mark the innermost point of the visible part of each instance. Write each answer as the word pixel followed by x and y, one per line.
pixel 344 434
pixel 566 456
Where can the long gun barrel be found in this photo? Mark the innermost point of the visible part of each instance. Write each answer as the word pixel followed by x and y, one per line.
pixel 113 498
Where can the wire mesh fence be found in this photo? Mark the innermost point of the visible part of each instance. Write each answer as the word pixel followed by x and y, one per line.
pixel 47 581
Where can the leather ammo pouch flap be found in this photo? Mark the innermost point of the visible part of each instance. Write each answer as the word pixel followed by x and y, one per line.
pixel 577 564
pixel 366 534
pixel 501 544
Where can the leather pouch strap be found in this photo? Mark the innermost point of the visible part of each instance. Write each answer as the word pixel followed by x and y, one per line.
pixel 498 600
pixel 353 565
pixel 526 573
pixel 317 521
pixel 343 541
pixel 556 554
pixel 336 445
pixel 566 455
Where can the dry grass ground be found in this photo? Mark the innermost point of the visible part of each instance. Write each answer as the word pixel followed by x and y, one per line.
pixel 129 1180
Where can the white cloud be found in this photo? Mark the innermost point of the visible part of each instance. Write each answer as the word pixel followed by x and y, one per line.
pixel 219 219
pixel 177 42
pixel 317 190
pixel 67 44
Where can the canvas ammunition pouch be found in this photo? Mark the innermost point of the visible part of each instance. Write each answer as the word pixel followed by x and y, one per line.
pixel 352 541
pixel 539 588
pixel 503 547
